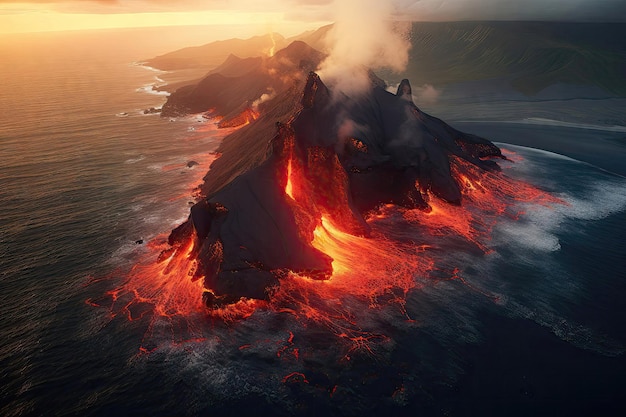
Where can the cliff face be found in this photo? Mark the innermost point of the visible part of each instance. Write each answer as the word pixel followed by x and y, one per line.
pixel 335 159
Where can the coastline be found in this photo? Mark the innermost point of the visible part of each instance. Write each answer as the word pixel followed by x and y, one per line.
pixel 604 149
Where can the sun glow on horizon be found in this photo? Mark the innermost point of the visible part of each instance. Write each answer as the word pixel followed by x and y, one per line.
pixel 39 19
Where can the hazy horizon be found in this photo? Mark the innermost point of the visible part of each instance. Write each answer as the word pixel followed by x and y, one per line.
pixel 282 15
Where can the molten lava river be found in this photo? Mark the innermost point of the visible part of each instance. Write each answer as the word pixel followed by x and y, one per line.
pixel 394 315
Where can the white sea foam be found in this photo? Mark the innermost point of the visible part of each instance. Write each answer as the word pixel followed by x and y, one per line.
pixel 589 194
pixel 535 234
pixel 603 199
pixel 149 68
pixel 149 89
pixel 135 160
pixel 547 154
pixel 593 198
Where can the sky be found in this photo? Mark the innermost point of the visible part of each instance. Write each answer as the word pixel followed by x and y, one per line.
pixel 286 16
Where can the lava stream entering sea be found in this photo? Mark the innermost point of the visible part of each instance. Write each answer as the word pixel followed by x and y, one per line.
pixel 405 250
pixel 375 263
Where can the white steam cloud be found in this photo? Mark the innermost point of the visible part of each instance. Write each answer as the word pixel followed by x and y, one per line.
pixel 364 36
pixel 264 97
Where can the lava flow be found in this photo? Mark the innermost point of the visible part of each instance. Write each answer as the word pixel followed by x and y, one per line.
pixel 242 119
pixel 366 267
pixel 486 197
pixel 380 269
pixel 334 225
pixel 158 293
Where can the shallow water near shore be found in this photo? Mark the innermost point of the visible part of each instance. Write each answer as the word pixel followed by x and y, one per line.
pixel 532 326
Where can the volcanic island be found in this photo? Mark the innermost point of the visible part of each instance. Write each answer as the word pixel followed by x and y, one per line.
pixel 307 157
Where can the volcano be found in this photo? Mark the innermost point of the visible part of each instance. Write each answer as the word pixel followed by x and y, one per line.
pixel 336 159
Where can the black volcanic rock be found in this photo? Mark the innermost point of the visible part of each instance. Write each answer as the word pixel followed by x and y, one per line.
pixel 394 132
pixel 152 110
pixel 348 155
pixel 236 67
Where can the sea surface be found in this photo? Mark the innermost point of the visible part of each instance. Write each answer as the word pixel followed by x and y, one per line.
pixel 533 325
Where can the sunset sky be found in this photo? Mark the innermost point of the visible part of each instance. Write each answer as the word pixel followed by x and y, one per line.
pixel 289 16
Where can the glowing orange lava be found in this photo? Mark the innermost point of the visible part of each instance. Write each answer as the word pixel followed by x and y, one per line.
pixel 371 266
pixel 373 269
pixel 486 197
pixel 163 287
pixel 289 186
pixel 272 50
pixel 243 119
pixel 381 270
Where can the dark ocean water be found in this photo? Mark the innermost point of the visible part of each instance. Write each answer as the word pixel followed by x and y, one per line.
pixel 536 326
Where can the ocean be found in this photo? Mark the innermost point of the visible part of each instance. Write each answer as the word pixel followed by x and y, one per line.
pixel 90 185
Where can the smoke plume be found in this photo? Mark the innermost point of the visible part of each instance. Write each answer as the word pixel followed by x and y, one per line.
pixel 364 37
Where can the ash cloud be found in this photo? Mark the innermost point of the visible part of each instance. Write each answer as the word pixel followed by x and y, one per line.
pixel 364 37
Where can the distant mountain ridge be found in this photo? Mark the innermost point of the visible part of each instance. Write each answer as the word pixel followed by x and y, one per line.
pixel 212 54
pixel 238 83
pixel 531 55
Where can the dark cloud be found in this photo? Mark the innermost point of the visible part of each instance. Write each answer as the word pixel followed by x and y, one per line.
pixel 558 10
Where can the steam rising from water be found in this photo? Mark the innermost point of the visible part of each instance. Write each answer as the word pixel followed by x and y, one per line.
pixel 364 37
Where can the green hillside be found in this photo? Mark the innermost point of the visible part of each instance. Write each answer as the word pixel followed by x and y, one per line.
pixel 531 55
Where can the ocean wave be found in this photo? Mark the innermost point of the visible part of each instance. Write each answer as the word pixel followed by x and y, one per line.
pixel 534 243
pixel 550 122
pixel 589 194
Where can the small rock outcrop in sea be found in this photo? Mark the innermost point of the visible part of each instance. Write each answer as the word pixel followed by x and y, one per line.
pixel 338 158
pixel 152 110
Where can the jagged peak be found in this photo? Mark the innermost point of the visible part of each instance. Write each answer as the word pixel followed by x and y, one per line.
pixel 298 50
pixel 404 90
pixel 315 92
pixel 231 58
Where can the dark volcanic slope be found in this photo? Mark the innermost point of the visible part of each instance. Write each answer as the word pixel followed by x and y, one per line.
pixel 237 83
pixel 247 147
pixel 346 155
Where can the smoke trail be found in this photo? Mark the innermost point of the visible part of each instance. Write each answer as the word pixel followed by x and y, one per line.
pixel 364 36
